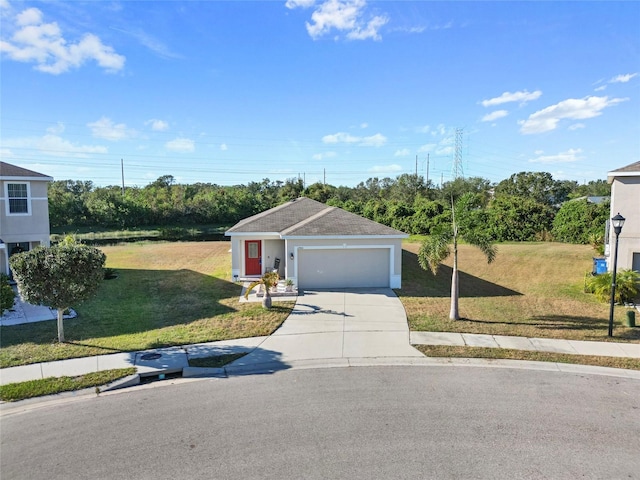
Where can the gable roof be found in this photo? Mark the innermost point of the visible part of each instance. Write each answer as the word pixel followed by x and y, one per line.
pixel 13 172
pixel 632 170
pixel 304 217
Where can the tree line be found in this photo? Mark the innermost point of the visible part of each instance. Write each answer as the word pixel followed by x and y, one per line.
pixel 527 206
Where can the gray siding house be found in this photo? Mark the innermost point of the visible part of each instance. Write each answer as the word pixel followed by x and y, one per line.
pixel 625 199
pixel 24 211
pixel 317 246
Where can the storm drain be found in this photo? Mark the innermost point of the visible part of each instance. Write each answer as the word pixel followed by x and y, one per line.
pixel 150 356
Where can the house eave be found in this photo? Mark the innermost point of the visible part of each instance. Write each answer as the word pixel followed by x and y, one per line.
pixel 341 237
pixel 25 179
pixel 251 234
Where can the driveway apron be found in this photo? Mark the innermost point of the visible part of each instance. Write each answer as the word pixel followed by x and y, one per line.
pixel 340 323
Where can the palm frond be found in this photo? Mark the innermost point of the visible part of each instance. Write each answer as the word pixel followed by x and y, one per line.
pixel 433 251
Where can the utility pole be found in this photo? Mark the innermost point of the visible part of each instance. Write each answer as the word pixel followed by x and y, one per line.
pixel 122 173
pixel 427 171
pixel 324 178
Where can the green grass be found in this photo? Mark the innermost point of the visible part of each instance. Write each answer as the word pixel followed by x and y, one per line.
pixel 48 386
pixel 505 353
pixel 531 290
pixel 166 294
pixel 215 361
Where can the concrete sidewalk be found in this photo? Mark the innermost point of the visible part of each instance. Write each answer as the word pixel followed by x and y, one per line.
pixel 553 345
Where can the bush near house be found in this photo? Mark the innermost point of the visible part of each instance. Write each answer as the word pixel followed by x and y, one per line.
pixel 627 284
pixel 7 295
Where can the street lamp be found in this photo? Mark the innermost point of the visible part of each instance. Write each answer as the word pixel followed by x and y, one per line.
pixel 617 222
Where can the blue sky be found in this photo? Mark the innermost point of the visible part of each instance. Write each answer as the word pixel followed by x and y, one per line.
pixel 233 92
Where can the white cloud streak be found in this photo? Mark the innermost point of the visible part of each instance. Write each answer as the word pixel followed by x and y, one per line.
pixel 490 117
pixel 623 78
pixel 376 140
pixel 181 145
pixel 573 108
pixel 107 130
pixel 522 97
pixel 157 125
pixel 571 155
pixel 385 168
pixel 43 44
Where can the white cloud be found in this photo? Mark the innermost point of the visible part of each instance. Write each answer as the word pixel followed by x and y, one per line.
pixel 107 130
pixel 344 16
pixel 573 108
pixel 571 155
pixel 577 126
pixel 403 152
pixel 43 44
pixel 57 146
pixel 223 147
pixel 385 168
pixel 180 145
pixel 364 125
pixel 600 88
pixel 623 78
pixel 523 97
pixel 376 140
pixel 490 117
pixel 299 3
pixel 423 129
pixel 157 125
pixel 429 147
pixel 321 156
pixel 56 129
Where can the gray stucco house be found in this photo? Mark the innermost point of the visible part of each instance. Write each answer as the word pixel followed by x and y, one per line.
pixel 24 211
pixel 317 246
pixel 625 199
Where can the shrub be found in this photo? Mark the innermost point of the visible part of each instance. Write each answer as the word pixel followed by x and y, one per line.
pixel 7 295
pixel 627 284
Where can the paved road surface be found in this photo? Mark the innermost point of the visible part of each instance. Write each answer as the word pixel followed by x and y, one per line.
pixel 369 423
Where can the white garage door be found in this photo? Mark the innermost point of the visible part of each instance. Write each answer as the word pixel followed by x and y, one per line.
pixel 343 268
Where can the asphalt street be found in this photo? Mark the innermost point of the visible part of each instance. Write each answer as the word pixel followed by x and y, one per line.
pixel 361 422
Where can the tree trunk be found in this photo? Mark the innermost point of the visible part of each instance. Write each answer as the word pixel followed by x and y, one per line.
pixel 61 325
pixel 453 313
pixel 266 300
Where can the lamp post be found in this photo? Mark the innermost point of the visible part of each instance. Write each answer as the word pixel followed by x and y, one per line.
pixel 617 222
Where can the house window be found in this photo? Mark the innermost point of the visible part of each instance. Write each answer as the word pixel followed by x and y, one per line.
pixel 253 250
pixel 18 195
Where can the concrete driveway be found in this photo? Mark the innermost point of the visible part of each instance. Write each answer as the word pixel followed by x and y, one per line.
pixel 338 324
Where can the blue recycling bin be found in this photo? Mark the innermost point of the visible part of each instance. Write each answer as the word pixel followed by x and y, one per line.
pixel 599 265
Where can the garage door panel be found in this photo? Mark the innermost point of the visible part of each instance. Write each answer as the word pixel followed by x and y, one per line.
pixel 343 268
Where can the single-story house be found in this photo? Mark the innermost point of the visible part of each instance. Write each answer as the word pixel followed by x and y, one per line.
pixel 625 200
pixel 317 246
pixel 24 211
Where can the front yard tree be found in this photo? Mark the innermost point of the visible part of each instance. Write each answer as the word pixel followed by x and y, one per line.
pixel 466 219
pixel 58 276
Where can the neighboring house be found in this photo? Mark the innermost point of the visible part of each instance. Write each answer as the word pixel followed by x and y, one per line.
pixel 24 211
pixel 317 246
pixel 625 199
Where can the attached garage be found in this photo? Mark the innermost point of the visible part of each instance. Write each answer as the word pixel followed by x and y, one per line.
pixel 343 268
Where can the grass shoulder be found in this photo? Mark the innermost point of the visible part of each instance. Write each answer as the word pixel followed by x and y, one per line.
pixel 504 353
pixel 13 392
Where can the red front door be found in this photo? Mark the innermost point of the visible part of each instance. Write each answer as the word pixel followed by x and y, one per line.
pixel 253 257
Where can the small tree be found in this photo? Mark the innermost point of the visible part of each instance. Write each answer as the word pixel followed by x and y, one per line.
pixel 269 279
pixel 59 276
pixel 436 248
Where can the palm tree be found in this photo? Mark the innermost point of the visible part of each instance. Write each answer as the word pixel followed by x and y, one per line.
pixel 436 248
pixel 269 279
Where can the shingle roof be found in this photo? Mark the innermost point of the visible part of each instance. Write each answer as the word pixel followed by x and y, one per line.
pixel 9 170
pixel 632 170
pixel 305 217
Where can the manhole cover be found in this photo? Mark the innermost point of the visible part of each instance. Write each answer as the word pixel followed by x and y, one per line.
pixel 151 356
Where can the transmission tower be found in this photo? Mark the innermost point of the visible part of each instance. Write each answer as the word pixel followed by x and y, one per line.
pixel 456 170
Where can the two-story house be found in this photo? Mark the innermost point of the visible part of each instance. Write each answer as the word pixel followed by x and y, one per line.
pixel 625 200
pixel 24 211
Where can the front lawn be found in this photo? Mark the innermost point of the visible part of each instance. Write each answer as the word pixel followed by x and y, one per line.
pixel 530 290
pixel 165 294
